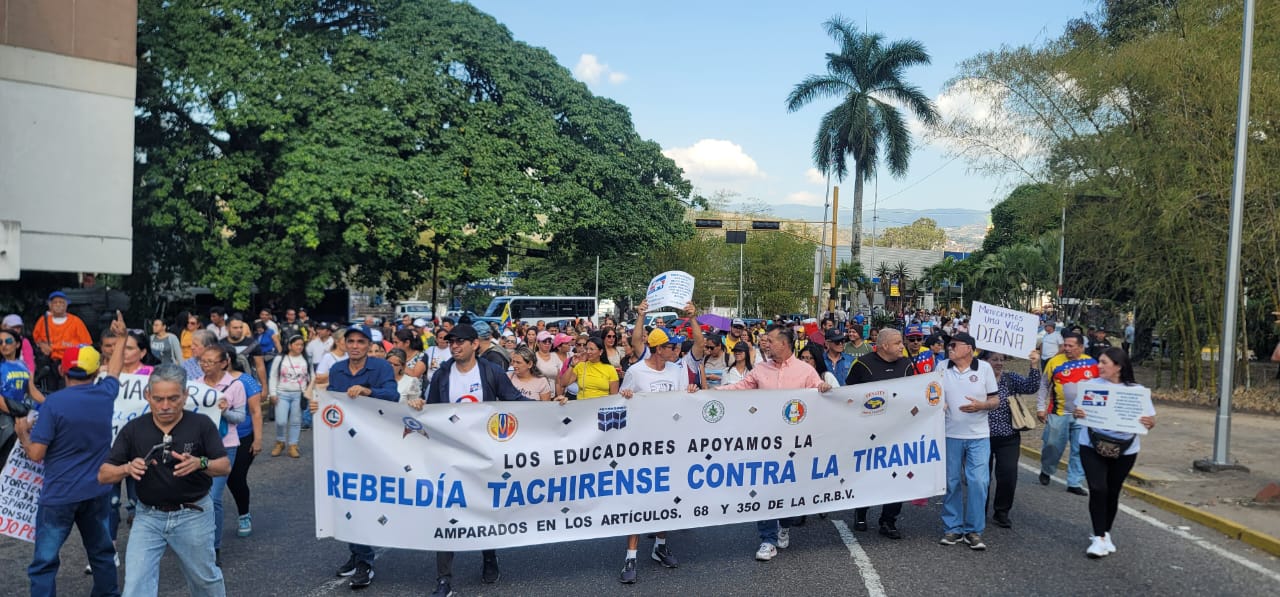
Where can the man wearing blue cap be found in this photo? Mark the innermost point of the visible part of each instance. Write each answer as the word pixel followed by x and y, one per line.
pixel 921 357
pixel 58 330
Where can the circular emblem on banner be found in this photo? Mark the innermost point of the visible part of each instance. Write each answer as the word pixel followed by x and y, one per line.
pixel 934 393
pixel 873 403
pixel 331 415
pixel 712 411
pixel 503 426
pixel 794 411
pixel 412 425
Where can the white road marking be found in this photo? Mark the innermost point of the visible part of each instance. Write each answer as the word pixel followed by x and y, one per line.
pixel 1180 532
pixel 870 578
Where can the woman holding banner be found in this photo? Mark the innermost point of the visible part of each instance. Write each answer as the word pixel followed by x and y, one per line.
pixel 1006 441
pixel 1108 456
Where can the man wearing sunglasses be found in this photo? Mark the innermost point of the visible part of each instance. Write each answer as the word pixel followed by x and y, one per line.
pixel 921 357
pixel 72 436
pixel 971 390
pixel 884 363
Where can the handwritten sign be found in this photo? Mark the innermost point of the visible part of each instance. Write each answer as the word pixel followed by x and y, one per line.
pixel 131 401
pixel 1002 330
pixel 1114 407
pixel 670 289
pixel 20 484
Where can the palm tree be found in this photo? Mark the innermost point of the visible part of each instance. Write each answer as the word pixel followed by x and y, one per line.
pixel 865 75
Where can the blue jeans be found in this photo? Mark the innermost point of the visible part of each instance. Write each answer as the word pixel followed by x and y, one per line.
pixel 967 459
pixel 113 521
pixel 362 553
pixel 288 414
pixel 1061 431
pixel 306 414
pixel 215 494
pixel 186 532
pixel 53 526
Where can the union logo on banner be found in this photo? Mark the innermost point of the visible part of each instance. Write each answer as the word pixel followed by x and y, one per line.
pixel 794 411
pixel 934 393
pixel 502 426
pixel 657 284
pixel 331 415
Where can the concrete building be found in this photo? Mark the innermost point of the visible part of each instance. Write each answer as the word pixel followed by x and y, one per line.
pixel 67 86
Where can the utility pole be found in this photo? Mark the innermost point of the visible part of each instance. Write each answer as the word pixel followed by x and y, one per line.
pixel 835 221
pixel 1227 357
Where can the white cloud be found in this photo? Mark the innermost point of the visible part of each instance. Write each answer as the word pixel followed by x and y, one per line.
pixel 804 198
pixel 815 176
pixel 590 70
pixel 714 159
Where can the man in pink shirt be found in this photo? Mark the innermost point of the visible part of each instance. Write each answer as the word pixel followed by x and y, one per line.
pixel 780 370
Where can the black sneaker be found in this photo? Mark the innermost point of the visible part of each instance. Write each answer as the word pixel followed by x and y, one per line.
pixel 1002 520
pixel 662 554
pixel 349 568
pixel 890 530
pixel 1044 479
pixel 1078 491
pixel 363 576
pixel 628 575
pixel 490 573
pixel 443 588
pixel 859 524
pixel 975 541
pixel 951 539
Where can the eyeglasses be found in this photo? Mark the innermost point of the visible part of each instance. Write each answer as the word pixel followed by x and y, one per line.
pixel 547 341
pixel 8 341
pixel 610 336
pixel 205 363
pixel 581 345
pixel 457 342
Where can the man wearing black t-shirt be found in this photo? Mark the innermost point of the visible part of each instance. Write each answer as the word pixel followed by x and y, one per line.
pixel 884 363
pixel 173 456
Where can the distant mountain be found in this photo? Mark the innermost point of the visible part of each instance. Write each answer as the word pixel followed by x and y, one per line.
pixel 890 218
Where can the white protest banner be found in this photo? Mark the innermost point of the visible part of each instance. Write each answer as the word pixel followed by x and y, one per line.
pixel 22 479
pixel 670 289
pixel 503 474
pixel 1114 407
pixel 20 484
pixel 1002 330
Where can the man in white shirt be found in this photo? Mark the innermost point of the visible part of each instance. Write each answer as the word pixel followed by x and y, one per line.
pixel 1051 343
pixel 971 390
pixel 320 344
pixel 218 322
pixel 656 373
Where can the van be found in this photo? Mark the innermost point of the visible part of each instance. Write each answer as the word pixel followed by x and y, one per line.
pixel 414 309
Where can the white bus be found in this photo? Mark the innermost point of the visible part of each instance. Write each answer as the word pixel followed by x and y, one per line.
pixel 532 308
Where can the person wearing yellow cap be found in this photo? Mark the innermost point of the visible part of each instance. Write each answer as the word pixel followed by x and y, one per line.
pixel 72 437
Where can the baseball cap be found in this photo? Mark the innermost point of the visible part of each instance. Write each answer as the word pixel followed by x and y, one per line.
pixel 358 329
pixel 659 336
pixel 482 331
pixel 741 347
pixel 546 336
pixel 58 294
pixel 834 336
pixel 964 338
pixel 419 323
pixel 462 332
pixel 914 330
pixel 80 362
pixel 561 339
pixel 739 322
pixel 12 321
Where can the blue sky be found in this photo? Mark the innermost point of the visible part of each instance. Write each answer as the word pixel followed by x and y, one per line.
pixel 707 80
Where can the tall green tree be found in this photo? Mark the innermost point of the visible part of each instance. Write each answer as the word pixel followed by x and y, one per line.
pixel 867 76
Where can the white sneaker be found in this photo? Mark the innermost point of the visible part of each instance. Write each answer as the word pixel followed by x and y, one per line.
pixel 784 538
pixel 1097 549
pixel 1106 541
pixel 766 552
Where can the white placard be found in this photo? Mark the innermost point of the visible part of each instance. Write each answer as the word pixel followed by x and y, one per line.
pixel 670 289
pixel 20 484
pixel 487 475
pixel 1002 330
pixel 1114 407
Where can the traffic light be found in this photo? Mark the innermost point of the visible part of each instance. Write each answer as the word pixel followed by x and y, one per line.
pixel 699 223
pixel 764 225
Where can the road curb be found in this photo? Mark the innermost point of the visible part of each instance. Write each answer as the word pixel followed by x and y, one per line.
pixel 1227 527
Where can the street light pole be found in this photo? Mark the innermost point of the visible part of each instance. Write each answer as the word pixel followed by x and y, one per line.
pixel 1227 356
pixel 740 280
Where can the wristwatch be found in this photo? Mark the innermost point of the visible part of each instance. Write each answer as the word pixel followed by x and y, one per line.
pixel 204 462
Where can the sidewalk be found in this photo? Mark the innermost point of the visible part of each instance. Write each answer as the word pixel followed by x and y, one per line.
pixel 1185 434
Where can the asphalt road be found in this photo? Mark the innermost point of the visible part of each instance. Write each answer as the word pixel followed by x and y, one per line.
pixel 1043 554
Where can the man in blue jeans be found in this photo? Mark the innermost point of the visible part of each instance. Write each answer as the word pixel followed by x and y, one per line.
pixel 971 390
pixel 72 437
pixel 1055 407
pixel 173 455
pixel 359 376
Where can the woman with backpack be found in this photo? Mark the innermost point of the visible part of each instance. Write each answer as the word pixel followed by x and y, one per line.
pixel 290 376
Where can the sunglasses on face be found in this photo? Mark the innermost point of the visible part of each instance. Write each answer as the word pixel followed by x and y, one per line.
pixel 8 341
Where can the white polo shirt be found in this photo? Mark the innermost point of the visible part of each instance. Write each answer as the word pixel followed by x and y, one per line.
pixel 975 382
